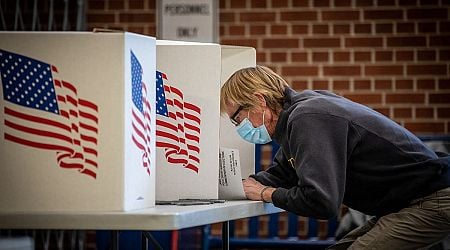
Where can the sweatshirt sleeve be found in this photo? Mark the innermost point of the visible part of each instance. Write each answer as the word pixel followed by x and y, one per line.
pixel 279 174
pixel 318 146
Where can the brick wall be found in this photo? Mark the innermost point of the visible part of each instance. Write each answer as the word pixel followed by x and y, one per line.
pixel 392 55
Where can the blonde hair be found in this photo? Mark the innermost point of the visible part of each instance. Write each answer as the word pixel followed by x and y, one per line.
pixel 240 88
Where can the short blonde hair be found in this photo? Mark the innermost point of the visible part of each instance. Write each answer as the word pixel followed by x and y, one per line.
pixel 240 88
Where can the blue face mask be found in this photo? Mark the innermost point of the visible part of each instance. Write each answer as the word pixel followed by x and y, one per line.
pixel 251 134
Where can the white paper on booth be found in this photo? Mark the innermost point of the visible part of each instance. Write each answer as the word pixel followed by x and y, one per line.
pixel 230 178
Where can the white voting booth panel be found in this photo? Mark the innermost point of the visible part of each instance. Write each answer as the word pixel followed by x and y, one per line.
pixel 233 59
pixel 189 126
pixel 78 121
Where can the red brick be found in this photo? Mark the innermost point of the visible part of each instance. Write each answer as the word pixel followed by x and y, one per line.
pixel 100 18
pixel 341 70
pixel 427 27
pixel 343 3
pixel 443 112
pixel 425 127
pixel 321 3
pixel 383 14
pixel 429 2
pixel 362 28
pixel 278 29
pixel 424 113
pixel 405 27
pixel 239 4
pixel 440 69
pixel 432 13
pixel 257 30
pixel 300 85
pixel 402 112
pixel 341 56
pixel 444 83
pixel 381 70
pixel 340 15
pixel 362 56
pixel 363 42
pixel 386 2
pixel 320 56
pixel 257 17
pixel 151 4
pixel 135 4
pixel 278 56
pixel 137 18
pixel 236 30
pixel 362 84
pixel 300 29
pixel 321 42
pixel 341 29
pixel 444 27
pixel 383 28
pixel 407 2
pixel 136 29
pixel 151 30
pixel 281 43
pixel 261 57
pixel 96 4
pixel 425 84
pixel 361 3
pixel 440 41
pixel 258 4
pixel 299 56
pixel 298 3
pixel 404 55
pixel 299 71
pixel 383 56
pixel 320 29
pixel 298 16
pixel 383 84
pixel 226 17
pixel 406 41
pixel 365 98
pixel 405 98
pixel 279 3
pixel 440 98
pixel 383 111
pixel 240 42
pixel 320 84
pixel 404 84
pixel 117 5
pixel 341 85
pixel 426 55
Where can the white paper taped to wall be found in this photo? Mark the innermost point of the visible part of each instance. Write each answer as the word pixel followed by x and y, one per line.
pixel 230 178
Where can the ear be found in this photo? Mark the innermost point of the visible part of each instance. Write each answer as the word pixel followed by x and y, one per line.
pixel 261 100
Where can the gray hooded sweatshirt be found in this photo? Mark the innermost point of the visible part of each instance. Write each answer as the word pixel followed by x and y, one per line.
pixel 335 151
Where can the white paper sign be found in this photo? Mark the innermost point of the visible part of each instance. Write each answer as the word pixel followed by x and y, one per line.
pixel 230 178
pixel 188 20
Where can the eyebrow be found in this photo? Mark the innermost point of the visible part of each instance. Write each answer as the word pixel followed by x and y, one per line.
pixel 236 112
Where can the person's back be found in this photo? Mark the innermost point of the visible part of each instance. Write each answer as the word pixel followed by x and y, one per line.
pixel 387 166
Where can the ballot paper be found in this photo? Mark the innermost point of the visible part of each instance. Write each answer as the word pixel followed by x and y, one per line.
pixel 230 178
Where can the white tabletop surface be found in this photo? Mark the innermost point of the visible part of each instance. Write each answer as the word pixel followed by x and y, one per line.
pixel 161 217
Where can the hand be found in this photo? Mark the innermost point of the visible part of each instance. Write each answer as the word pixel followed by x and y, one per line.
pixel 253 188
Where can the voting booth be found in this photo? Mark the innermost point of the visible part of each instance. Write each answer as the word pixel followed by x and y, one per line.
pixel 233 59
pixel 78 121
pixel 190 129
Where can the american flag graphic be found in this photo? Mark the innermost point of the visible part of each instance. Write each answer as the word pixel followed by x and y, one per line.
pixel 177 125
pixel 140 112
pixel 44 112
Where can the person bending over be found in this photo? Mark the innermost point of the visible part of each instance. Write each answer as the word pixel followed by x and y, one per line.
pixel 334 151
